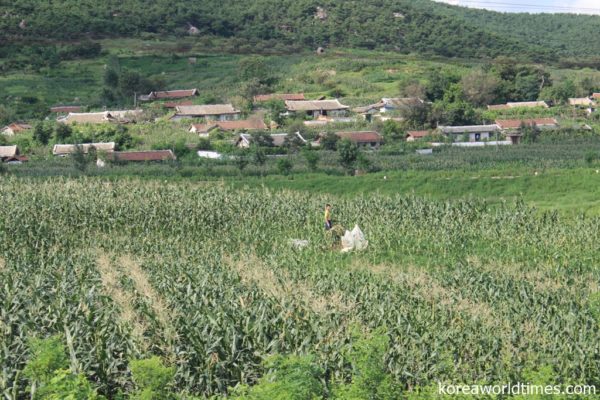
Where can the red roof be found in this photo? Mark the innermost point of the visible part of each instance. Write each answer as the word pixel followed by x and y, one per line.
pixel 596 96
pixel 418 134
pixel 360 137
pixel 150 155
pixel 247 124
pixel 174 94
pixel 65 109
pixel 18 127
pixel 516 123
pixel 174 104
pixel 274 96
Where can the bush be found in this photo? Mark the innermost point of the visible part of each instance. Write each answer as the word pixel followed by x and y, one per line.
pixel 284 166
pixel 347 154
pixel 152 378
pixel 312 159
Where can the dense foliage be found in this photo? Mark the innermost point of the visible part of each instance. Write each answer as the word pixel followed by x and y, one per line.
pixel 206 279
pixel 408 26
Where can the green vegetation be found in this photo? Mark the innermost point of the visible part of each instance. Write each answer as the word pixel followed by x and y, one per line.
pixel 406 26
pixel 449 291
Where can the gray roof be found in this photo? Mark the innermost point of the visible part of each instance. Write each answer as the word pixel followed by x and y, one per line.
pixel 207 109
pixel 64 149
pixel 314 105
pixel 8 151
pixel 278 138
pixel 468 129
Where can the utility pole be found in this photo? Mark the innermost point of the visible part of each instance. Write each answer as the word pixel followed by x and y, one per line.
pixel 134 100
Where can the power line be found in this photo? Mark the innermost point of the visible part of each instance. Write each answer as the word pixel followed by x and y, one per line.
pixel 530 6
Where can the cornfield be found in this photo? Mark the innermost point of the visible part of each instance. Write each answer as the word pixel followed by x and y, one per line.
pixel 205 277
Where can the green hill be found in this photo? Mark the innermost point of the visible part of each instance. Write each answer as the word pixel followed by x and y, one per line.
pixel 420 26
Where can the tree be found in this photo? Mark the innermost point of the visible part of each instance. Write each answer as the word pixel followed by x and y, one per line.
pixel 111 78
pixel 329 141
pixel 254 68
pixel 417 114
pixel 559 93
pixel 81 160
pixel 259 156
pixel 276 109
pixel 261 139
pixel 480 88
pixel 62 132
pixel 438 82
pixel 454 109
pixel 347 154
pixel 42 133
pixel 530 133
pixel 292 142
pixel 241 159
pixel 312 158
pixel 393 131
pixel 284 165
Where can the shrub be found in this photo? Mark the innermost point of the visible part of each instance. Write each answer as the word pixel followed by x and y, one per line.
pixel 284 166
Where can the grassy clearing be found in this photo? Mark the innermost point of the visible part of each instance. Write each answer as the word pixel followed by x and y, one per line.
pixel 570 191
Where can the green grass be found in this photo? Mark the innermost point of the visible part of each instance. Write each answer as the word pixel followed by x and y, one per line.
pixel 572 191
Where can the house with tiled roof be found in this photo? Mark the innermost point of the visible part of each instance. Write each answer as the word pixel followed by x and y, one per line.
pixel 317 108
pixel 14 128
pixel 210 112
pixel 411 136
pixel 239 125
pixel 370 139
pixel 169 94
pixel 470 133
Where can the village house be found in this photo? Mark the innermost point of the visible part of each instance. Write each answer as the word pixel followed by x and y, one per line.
pixel 596 96
pixel 583 103
pixel 63 150
pixel 276 96
pixel 470 133
pixel 103 117
pixel 14 128
pixel 169 94
pixel 369 139
pixel 515 124
pixel 65 109
pixel 411 136
pixel 317 108
pixel 141 156
pixel 388 104
pixel 245 140
pixel 10 154
pixel 521 104
pixel 210 112
pixel 511 128
pixel 239 125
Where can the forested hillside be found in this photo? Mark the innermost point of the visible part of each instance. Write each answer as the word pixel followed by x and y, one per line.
pixel 420 26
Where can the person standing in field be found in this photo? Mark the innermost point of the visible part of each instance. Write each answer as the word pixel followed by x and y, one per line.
pixel 327 217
